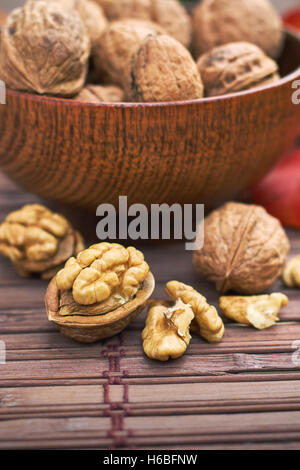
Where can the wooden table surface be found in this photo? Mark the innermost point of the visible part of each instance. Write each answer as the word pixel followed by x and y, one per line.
pixel 55 393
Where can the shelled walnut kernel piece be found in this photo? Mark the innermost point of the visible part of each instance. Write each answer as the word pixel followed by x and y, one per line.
pixel 244 249
pixel 38 241
pixel 258 311
pixel 207 322
pixel 291 272
pixel 44 49
pixel 163 70
pixel 166 334
pixel 235 67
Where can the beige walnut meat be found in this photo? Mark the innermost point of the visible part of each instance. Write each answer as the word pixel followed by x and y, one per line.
pixel 163 70
pixel 169 14
pixel 44 49
pixel 218 22
pixel 244 249
pixel 291 272
pixel 259 311
pixel 235 67
pixel 38 240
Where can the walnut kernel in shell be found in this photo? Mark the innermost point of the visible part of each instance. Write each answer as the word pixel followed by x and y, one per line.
pixel 218 22
pixel 244 249
pixel 44 49
pixel 164 70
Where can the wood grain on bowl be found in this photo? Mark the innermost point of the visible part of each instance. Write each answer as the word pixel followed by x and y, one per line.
pixel 86 154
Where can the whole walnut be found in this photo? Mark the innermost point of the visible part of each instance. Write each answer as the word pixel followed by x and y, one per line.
pixel 101 94
pixel 235 67
pixel 164 70
pixel 169 14
pixel 91 14
pixel 244 249
pixel 218 22
pixel 44 49
pixel 38 241
pixel 113 53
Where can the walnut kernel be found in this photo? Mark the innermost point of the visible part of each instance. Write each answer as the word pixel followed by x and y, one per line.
pixel 291 272
pixel 44 49
pixel 259 311
pixel 244 249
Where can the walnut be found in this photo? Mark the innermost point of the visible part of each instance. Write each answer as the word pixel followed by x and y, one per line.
pixel 98 293
pixel 38 241
pixel 207 322
pixel 244 249
pixel 169 14
pixel 166 334
pixel 218 22
pixel 291 272
pixel 44 49
pixel 259 311
pixel 91 14
pixel 113 53
pixel 163 70
pixel 235 67
pixel 101 94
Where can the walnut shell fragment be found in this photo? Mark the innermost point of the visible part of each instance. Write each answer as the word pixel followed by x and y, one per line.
pixel 44 49
pixel 207 322
pixel 291 272
pixel 169 14
pixel 98 293
pixel 235 67
pixel 37 241
pixel 259 311
pixel 218 22
pixel 166 334
pixel 244 249
pixel 101 94
pixel 163 70
pixel 114 50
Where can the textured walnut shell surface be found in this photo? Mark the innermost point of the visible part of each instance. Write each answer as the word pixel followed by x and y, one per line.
pixel 163 70
pixel 244 249
pixel 91 328
pixel 218 22
pixel 235 67
pixel 44 49
pixel 169 14
pixel 101 94
pixel 113 53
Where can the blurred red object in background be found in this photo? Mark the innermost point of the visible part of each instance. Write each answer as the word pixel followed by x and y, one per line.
pixel 279 191
pixel 292 19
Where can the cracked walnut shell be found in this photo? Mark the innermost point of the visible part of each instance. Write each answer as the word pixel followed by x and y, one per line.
pixel 163 70
pixel 244 249
pixel 291 272
pixel 235 67
pixel 259 311
pixel 169 14
pixel 44 49
pixel 217 22
pixel 101 94
pixel 207 322
pixel 38 241
pixel 99 292
pixel 166 334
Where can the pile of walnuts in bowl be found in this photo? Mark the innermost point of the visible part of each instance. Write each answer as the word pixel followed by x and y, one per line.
pixel 140 50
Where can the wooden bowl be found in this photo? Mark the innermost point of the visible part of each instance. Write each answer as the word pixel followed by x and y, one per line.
pixel 194 151
pixel 89 329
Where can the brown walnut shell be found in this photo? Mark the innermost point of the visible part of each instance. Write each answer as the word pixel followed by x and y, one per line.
pixel 92 328
pixel 218 22
pixel 244 249
pixel 235 67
